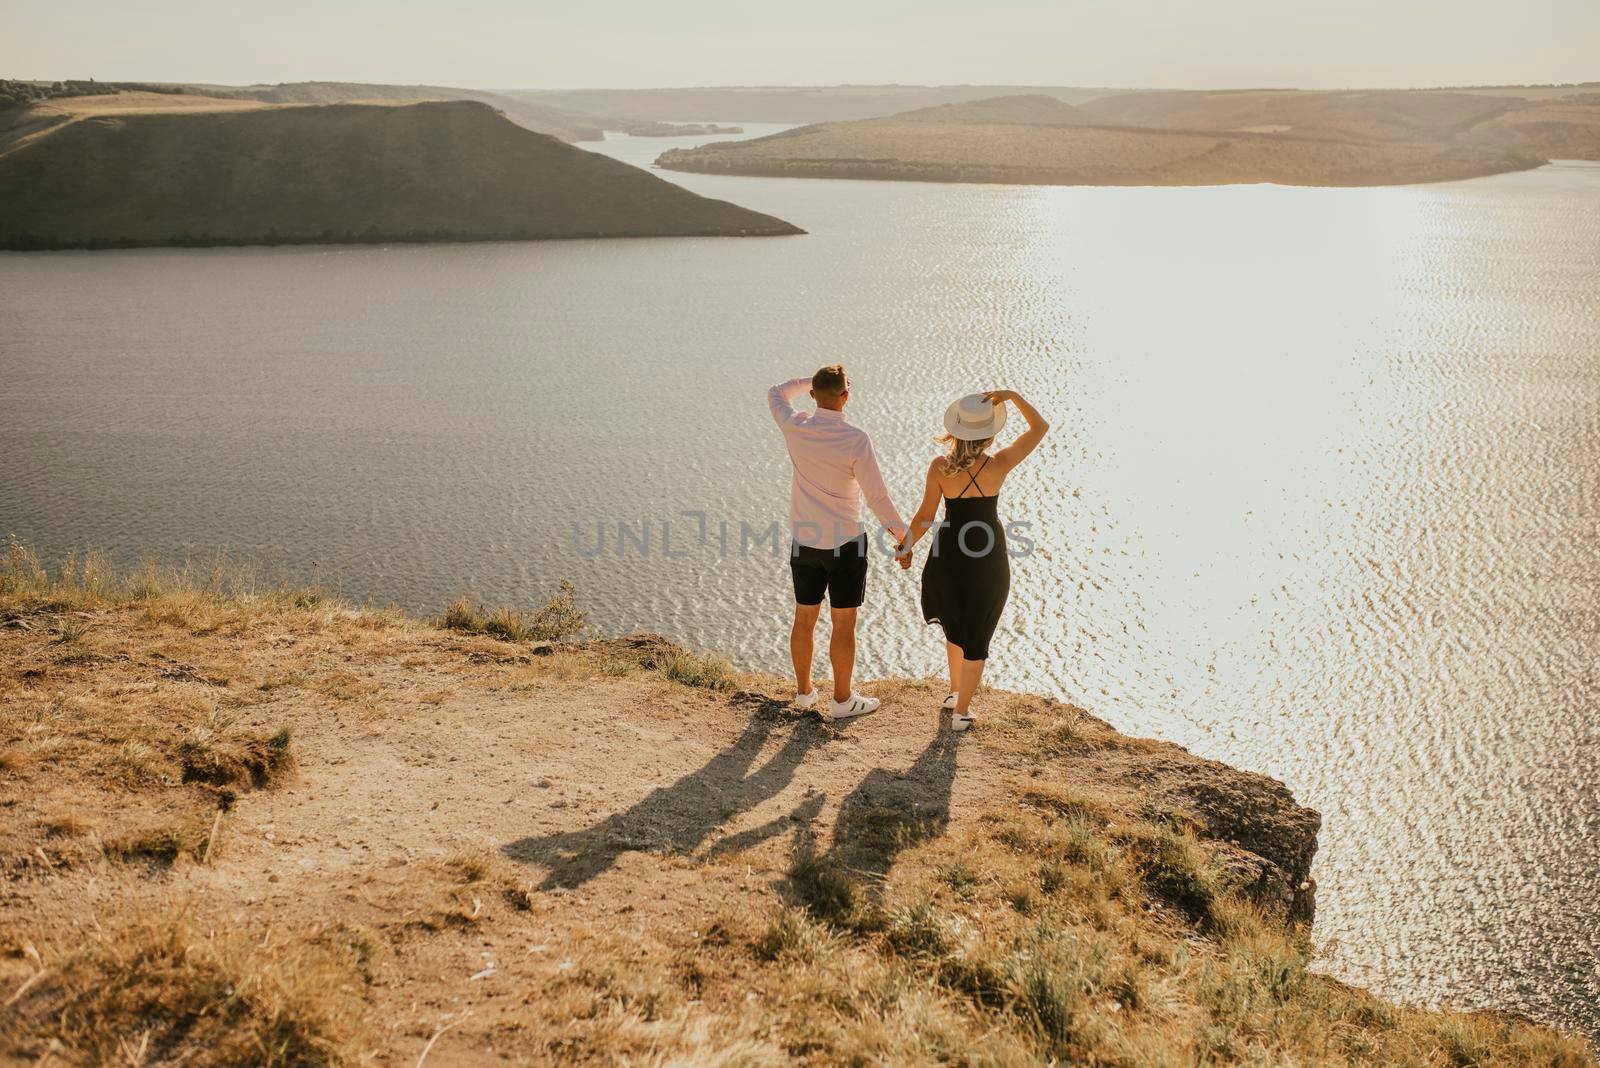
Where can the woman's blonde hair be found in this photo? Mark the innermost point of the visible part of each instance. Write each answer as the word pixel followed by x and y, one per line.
pixel 963 454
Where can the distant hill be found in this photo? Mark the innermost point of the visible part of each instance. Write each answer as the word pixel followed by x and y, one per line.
pixel 790 104
pixel 1561 129
pixel 1033 109
pixel 436 171
pixel 1561 124
pixel 991 141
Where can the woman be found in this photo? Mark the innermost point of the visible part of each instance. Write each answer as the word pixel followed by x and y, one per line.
pixel 968 575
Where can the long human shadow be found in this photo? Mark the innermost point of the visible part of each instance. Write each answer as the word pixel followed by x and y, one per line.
pixel 892 811
pixel 680 817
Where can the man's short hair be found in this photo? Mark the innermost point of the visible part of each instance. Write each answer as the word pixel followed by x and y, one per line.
pixel 830 380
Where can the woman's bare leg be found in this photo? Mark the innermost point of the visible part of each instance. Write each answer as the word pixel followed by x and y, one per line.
pixel 953 652
pixel 971 675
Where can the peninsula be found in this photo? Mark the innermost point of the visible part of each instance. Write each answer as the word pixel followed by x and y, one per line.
pixel 1037 139
pixel 249 828
pixel 140 169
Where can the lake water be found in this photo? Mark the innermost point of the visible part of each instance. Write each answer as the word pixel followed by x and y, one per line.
pixel 1322 496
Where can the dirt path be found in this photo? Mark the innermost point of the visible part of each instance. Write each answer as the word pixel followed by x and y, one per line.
pixel 632 805
pixel 606 802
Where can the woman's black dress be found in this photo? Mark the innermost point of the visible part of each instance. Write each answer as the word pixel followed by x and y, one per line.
pixel 968 574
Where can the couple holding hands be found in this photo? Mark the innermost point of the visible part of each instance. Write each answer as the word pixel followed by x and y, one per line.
pixel 967 576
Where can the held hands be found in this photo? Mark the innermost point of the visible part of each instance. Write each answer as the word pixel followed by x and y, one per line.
pixel 902 553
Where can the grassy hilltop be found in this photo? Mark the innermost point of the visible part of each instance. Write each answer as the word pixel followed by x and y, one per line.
pixel 559 124
pixel 124 171
pixel 1035 139
pixel 524 109
pixel 250 825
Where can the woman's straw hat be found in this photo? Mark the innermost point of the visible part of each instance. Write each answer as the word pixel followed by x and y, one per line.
pixel 974 417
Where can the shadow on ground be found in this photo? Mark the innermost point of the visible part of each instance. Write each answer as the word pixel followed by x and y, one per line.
pixel 681 817
pixel 891 811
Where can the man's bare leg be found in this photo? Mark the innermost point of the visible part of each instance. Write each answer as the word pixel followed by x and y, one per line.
pixel 842 650
pixel 952 653
pixel 802 644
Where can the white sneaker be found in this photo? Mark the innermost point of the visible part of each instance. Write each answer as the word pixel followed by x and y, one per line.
pixel 805 701
pixel 851 707
pixel 949 702
pixel 960 723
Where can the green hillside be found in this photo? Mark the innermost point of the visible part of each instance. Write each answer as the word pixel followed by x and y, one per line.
pixel 436 171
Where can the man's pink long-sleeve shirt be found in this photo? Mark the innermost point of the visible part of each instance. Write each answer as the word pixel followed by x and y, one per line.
pixel 834 468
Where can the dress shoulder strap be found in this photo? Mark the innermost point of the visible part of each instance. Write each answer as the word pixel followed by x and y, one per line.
pixel 972 478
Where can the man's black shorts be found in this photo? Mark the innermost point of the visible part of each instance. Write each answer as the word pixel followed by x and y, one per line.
pixel 840 573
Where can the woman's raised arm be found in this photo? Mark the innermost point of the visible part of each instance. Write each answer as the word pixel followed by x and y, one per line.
pixel 1018 450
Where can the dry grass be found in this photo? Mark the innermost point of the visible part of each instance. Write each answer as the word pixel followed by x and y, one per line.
pixel 491 871
pixel 1126 953
pixel 130 750
pixel 160 991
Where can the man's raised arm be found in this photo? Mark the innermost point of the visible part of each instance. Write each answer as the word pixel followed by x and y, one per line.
pixel 781 398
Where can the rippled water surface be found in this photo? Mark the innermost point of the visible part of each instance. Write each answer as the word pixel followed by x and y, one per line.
pixel 1321 498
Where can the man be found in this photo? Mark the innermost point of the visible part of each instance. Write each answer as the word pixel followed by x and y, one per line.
pixel 834 466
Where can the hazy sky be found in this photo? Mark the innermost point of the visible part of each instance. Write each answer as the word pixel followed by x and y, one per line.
pixel 532 44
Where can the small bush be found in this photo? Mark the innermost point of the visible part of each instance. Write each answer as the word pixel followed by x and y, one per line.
pixel 1174 867
pixel 820 885
pixel 919 931
pixel 69 631
pixel 1022 897
pixel 1063 736
pixel 475 866
pixel 1055 998
pixel 164 844
pixel 702 672
pixel 558 618
pixel 1052 877
pixel 469 867
pixel 959 876
pixel 792 935
pixel 222 758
